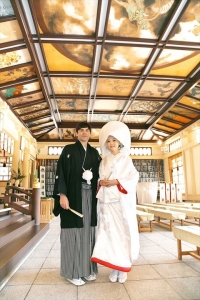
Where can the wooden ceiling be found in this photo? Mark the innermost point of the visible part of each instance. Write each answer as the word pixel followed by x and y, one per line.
pixel 66 61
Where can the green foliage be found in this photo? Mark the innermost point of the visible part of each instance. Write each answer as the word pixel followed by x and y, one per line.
pixel 17 175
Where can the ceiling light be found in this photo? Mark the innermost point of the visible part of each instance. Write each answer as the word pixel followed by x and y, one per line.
pixel 159 142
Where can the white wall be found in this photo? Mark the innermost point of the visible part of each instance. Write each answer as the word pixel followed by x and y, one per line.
pixel 191 161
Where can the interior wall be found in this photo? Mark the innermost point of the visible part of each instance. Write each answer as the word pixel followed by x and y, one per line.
pixel 190 150
pixel 191 161
pixel 13 128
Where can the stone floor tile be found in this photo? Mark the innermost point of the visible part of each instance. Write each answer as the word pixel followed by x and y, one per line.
pixel 33 263
pixel 51 263
pixel 193 263
pixel 39 253
pixel 175 270
pixel 102 291
pixel 142 273
pixel 188 287
pixel 22 277
pixel 160 258
pixel 151 290
pixel 15 292
pixel 52 292
pixel 54 253
pixel 152 249
pixel 140 261
pixel 47 276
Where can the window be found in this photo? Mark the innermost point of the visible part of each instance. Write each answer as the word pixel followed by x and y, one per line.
pixel 175 145
pixel 176 170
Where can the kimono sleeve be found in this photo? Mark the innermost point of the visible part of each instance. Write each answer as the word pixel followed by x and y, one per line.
pixel 61 181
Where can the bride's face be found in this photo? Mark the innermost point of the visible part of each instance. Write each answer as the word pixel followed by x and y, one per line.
pixel 113 144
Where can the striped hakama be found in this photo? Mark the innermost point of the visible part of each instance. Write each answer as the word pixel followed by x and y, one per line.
pixel 77 243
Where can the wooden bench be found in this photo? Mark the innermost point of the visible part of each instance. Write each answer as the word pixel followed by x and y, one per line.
pixel 164 214
pixel 184 205
pixel 142 207
pixel 143 216
pixel 160 206
pixel 189 234
pixel 190 213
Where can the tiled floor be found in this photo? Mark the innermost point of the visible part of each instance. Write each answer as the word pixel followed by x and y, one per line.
pixel 157 274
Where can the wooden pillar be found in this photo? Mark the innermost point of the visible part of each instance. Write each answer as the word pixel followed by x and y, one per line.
pixel 16 155
pixel 26 167
pixel 36 202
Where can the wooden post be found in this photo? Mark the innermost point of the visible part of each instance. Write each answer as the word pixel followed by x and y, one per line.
pixel 179 246
pixel 36 202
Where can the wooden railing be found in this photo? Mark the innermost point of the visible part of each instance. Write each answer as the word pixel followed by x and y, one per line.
pixel 15 196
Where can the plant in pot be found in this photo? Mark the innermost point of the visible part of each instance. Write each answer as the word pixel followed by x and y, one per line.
pixel 17 176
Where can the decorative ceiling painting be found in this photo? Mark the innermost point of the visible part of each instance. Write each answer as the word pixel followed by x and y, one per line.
pixel 72 104
pixel 26 100
pixel 66 61
pixel 17 73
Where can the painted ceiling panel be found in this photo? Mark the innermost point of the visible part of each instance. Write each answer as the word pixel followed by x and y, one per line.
pixel 190 102
pixel 21 89
pixel 14 58
pixel 25 99
pixel 116 87
pixel 158 89
pixel 6 9
pixel 17 73
pixel 32 108
pixel 184 112
pixel 46 125
pixel 179 68
pixel 67 17
pixel 10 31
pixel 72 59
pixel 169 124
pixel 121 58
pixel 109 105
pixel 170 57
pixel 137 18
pixel 136 119
pixel 194 91
pixel 164 128
pixel 104 117
pixel 35 115
pixel 145 106
pixel 71 85
pixel 39 122
pixel 72 104
pixel 72 117
pixel 177 118
pixel 187 28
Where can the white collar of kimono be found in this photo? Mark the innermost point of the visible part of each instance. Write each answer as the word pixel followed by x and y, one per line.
pixel 120 131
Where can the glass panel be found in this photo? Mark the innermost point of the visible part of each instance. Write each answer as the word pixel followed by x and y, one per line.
pixel 14 58
pixel 6 8
pixel 138 18
pixel 156 88
pixel 116 87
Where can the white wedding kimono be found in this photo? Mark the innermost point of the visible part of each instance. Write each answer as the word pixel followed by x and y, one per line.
pixel 117 237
